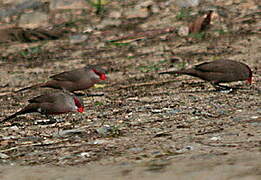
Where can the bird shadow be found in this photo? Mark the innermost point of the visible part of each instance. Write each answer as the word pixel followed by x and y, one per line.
pixel 231 90
pixel 80 94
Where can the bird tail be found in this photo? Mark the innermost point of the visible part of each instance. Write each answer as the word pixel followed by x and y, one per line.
pixel 10 117
pixel 178 72
pixel 31 87
pixel 28 109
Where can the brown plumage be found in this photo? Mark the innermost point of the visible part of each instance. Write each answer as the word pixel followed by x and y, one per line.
pixel 75 80
pixel 48 104
pixel 219 71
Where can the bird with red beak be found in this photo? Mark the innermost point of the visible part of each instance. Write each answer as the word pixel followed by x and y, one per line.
pixel 51 104
pixel 75 80
pixel 218 71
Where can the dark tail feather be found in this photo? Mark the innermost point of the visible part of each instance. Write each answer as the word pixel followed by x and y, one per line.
pixel 10 117
pixel 30 87
pixel 172 72
pixel 28 109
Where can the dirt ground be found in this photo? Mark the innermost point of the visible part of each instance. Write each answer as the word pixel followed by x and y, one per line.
pixel 146 126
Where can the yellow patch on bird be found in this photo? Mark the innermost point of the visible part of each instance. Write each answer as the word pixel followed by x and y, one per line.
pixel 99 85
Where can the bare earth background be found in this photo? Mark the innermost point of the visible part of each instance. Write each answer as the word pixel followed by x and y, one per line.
pixel 145 126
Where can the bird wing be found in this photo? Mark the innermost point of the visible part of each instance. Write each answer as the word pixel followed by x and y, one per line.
pixel 43 98
pixel 214 66
pixel 73 75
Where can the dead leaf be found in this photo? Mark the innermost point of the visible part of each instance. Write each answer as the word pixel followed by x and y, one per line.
pixel 143 35
pixel 201 23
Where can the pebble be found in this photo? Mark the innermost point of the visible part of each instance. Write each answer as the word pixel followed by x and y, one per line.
pixel 136 13
pixel 185 149
pixel 156 110
pixel 100 141
pixel 33 20
pixel 183 31
pixel 187 3
pixel 86 154
pixel 3 156
pixel 216 138
pixel 75 39
pixel 105 130
pixel 68 4
pixel 69 132
pixel 136 150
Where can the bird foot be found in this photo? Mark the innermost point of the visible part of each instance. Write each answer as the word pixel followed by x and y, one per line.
pixel 89 95
pixel 223 89
pixel 79 94
pixel 230 90
pixel 97 94
pixel 48 121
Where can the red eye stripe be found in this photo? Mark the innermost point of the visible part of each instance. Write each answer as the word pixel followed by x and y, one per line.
pixel 102 75
pixel 78 104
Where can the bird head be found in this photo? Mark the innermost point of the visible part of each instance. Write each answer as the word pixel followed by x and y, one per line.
pixel 78 102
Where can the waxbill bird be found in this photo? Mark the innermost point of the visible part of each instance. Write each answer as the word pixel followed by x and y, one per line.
pixel 51 104
pixel 218 71
pixel 75 80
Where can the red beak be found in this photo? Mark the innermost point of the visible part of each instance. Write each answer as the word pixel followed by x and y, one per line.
pixel 103 77
pixel 249 80
pixel 80 109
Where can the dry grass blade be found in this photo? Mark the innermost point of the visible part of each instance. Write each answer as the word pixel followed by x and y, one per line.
pixel 28 35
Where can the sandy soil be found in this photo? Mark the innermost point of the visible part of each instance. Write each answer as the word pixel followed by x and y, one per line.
pixel 146 126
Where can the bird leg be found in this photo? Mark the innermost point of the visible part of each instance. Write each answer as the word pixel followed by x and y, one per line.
pixel 221 88
pixel 88 95
pixel 51 120
pixel 92 95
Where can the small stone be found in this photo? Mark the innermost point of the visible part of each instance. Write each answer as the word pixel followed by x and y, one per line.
pixel 88 29
pixel 173 111
pixel 115 14
pixel 9 137
pixel 75 39
pixel 137 13
pixel 33 20
pixel 68 4
pixel 105 130
pixel 216 138
pixel 255 117
pixel 108 22
pixel 100 141
pixel 187 3
pixel 15 128
pixel 156 110
pixel 86 154
pixel 183 31
pixel 136 150
pixel 13 1
pixel 3 156
pixel 69 132
pixel 145 4
pixel 185 149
